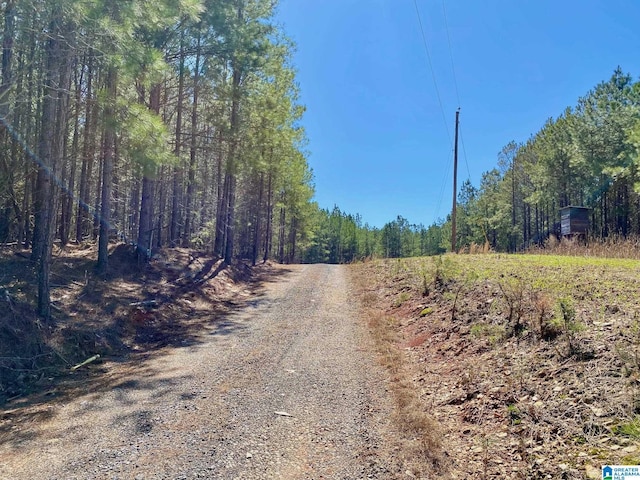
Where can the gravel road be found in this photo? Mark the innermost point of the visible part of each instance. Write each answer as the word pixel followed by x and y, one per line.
pixel 287 388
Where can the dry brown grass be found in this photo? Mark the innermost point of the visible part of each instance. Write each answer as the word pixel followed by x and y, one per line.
pixel 611 247
pixel 476 249
pixel 421 435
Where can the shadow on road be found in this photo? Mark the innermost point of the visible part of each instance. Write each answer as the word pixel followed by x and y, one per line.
pixel 131 319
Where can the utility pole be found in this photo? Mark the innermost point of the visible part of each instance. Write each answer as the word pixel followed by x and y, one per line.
pixel 455 186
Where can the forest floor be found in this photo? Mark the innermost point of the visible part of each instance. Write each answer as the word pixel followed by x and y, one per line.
pixel 529 365
pixel 131 311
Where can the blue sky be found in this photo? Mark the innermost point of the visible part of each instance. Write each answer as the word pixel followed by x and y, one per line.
pixel 380 144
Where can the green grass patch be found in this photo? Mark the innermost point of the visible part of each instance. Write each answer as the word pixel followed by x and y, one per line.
pixel 628 429
pixel 515 416
pixel 402 298
pixel 559 276
pixel 492 333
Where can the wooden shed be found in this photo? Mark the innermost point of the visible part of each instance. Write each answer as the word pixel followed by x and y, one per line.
pixel 574 220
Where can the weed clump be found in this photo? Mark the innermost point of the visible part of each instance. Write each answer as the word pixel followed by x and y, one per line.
pixel 565 320
pixel 443 272
pixel 426 311
pixel 542 321
pixel 514 294
pixel 492 333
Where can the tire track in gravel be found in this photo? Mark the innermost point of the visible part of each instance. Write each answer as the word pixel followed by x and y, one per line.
pixel 209 410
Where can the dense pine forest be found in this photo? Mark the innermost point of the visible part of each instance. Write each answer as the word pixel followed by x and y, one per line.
pixel 173 123
pixel 164 123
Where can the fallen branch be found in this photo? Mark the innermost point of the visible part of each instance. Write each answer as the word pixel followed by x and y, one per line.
pixel 56 308
pixel 144 303
pixel 86 362
pixel 59 355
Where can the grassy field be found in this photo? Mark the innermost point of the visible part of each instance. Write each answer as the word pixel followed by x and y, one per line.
pixel 520 366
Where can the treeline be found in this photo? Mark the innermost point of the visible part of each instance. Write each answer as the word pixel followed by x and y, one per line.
pixel 338 237
pixel 587 156
pixel 165 122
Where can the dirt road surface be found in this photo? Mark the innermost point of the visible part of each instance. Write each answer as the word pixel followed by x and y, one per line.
pixel 287 388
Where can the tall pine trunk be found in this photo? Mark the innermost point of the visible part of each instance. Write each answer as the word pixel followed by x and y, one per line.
pixel 231 180
pixel 107 172
pixel 191 180
pixel 98 192
pixel 161 194
pixel 268 229
pixel 281 230
pixel 50 144
pixel 257 226
pixel 88 150
pixel 145 232
pixel 176 199
pixel 5 87
pixel 68 198
pixel 221 218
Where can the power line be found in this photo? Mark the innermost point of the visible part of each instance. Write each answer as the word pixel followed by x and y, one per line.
pixel 433 75
pixel 453 69
pixel 464 154
pixel 444 183
pixel 455 83
pixel 435 84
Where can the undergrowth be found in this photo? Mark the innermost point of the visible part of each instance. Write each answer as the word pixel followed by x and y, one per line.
pixel 549 345
pixel 132 311
pixel 613 246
